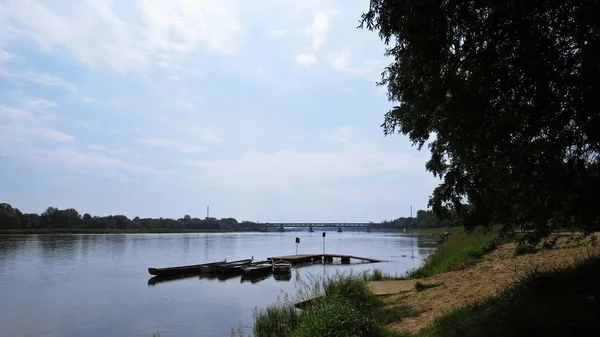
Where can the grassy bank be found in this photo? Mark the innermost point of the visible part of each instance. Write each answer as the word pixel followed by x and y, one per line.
pixel 107 231
pixel 559 302
pixel 341 305
pixel 460 250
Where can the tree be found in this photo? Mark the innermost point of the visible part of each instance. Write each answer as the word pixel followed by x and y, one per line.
pixel 508 91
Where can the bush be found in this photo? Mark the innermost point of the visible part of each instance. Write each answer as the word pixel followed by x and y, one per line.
pixel 278 320
pixel 335 317
pixel 461 249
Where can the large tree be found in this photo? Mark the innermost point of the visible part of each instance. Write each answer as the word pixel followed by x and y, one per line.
pixel 507 95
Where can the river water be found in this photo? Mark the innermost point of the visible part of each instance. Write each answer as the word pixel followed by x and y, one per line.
pixel 98 285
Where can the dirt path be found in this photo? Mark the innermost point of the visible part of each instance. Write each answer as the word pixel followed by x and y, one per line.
pixel 456 288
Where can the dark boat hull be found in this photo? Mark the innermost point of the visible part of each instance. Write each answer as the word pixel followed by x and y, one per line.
pixel 172 271
pixel 263 269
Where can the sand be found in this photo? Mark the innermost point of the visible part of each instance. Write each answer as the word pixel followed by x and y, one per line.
pixel 498 270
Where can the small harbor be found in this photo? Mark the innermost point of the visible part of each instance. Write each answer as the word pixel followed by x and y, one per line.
pixel 251 270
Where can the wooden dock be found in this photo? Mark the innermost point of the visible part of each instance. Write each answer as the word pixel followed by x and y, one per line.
pixel 309 258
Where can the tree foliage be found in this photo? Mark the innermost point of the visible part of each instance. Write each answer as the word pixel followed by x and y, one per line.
pixel 509 93
pixel 53 218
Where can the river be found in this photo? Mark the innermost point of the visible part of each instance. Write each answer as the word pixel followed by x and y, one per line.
pixel 97 285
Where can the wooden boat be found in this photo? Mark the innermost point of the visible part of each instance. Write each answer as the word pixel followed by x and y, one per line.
pixel 231 267
pixel 281 267
pixel 239 269
pixel 170 271
pixel 216 267
pixel 259 269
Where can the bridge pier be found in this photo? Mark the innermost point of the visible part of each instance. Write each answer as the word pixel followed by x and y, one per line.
pixel 310 229
pixel 369 229
pixel 281 228
pixel 339 229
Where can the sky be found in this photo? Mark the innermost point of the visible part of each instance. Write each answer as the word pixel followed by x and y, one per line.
pixel 265 110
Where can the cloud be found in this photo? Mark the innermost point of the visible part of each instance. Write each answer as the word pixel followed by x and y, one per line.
pixel 172 144
pixel 35 77
pixel 279 32
pixel 103 32
pixel 206 135
pixel 86 125
pixel 317 31
pixel 88 99
pixel 101 148
pixel 12 113
pixel 306 59
pixel 286 169
pixel 16 133
pixel 71 158
pixel 341 61
pixel 342 134
pixel 184 104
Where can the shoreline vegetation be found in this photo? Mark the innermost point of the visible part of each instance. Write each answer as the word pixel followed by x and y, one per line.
pixel 70 221
pixel 533 302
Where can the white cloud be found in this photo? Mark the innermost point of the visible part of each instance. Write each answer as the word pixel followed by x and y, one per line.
pixel 284 169
pixel 37 78
pixel 69 157
pixel 306 59
pixel 10 134
pixel 172 144
pixel 88 99
pixel 317 31
pixel 102 148
pixel 86 125
pixel 279 32
pixel 341 61
pixel 342 134
pixel 12 113
pixel 206 135
pixel 102 32
pixel 184 104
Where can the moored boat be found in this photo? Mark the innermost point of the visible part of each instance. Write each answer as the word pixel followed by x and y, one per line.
pixel 231 267
pixel 258 269
pixel 170 271
pixel 281 267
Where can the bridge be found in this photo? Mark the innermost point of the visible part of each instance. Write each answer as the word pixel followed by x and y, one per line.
pixel 311 225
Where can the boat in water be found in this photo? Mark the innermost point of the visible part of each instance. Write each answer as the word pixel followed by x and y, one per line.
pixel 233 267
pixel 263 268
pixel 191 269
pixel 281 267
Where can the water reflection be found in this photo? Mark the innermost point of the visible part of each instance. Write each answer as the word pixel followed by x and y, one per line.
pixel 163 279
pixel 98 285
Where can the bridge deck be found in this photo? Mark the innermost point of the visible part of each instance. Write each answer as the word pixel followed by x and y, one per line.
pixel 306 258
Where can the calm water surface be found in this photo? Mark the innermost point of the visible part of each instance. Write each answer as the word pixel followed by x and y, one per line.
pixel 97 285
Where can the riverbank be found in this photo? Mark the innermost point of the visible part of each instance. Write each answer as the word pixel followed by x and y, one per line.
pixel 113 231
pixel 476 282
pixel 473 285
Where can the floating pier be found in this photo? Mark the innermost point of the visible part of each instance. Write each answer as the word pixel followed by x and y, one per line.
pixel 309 258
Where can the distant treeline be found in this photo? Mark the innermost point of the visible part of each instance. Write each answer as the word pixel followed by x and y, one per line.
pixel 424 219
pixel 13 219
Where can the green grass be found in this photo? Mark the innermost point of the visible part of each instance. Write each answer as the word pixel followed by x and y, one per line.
pixel 378 275
pixel 277 320
pixel 559 302
pixel 342 305
pixel 460 250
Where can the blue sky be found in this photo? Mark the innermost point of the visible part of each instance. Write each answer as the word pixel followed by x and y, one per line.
pixel 264 110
